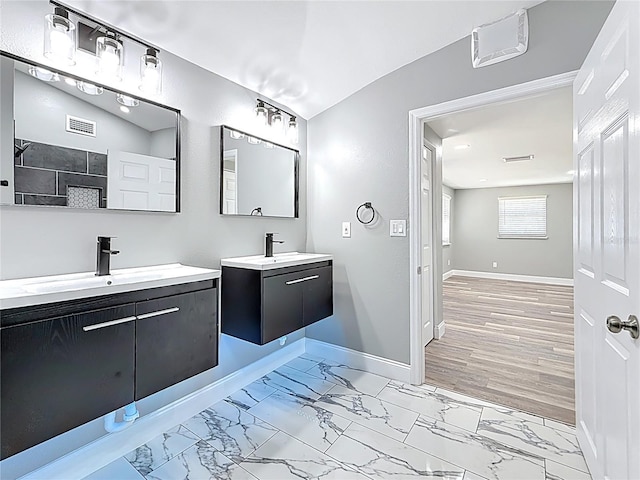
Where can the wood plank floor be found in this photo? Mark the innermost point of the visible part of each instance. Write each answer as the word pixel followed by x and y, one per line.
pixel 509 343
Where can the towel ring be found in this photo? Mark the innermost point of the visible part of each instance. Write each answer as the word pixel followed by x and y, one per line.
pixel 256 211
pixel 361 209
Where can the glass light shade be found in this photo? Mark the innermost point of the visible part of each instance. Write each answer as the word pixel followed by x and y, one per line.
pixel 276 121
pixel 127 101
pixel 261 114
pixel 110 54
pixel 253 140
pixel 43 74
pixel 292 132
pixel 70 81
pixel 269 145
pixel 90 88
pixel 236 135
pixel 150 72
pixel 60 37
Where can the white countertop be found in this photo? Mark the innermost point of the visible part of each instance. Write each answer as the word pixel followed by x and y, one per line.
pixel 279 260
pixel 58 288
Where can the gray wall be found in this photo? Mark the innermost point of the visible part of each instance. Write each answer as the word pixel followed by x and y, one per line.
pixel 359 152
pixel 447 250
pixel 198 235
pixel 476 233
pixel 163 143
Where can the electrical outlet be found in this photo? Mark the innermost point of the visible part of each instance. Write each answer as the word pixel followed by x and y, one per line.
pixel 495 264
pixel 346 229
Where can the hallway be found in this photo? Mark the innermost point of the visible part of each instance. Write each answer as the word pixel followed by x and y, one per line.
pixel 509 343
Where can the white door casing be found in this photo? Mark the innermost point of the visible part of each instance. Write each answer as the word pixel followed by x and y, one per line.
pixel 140 182
pixel 428 154
pixel 607 246
pixel 230 182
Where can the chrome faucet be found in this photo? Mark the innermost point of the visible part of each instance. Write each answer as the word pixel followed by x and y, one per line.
pixel 103 256
pixel 269 241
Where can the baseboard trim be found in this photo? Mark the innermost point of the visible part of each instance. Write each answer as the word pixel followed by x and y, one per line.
pixel 440 329
pixel 95 455
pixel 514 277
pixel 365 361
pixel 447 274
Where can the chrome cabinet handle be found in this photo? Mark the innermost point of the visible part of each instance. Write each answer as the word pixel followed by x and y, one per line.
pixel 96 326
pixel 291 282
pixel 615 325
pixel 159 312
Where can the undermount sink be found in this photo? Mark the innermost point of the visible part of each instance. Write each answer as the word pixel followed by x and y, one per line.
pixel 37 290
pixel 279 260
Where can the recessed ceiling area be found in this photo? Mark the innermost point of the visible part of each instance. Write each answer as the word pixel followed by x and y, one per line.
pixel 307 55
pixel 476 141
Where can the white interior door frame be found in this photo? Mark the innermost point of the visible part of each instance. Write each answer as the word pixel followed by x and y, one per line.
pixel 416 119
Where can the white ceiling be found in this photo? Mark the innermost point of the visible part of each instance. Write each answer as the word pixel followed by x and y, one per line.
pixel 539 125
pixel 307 55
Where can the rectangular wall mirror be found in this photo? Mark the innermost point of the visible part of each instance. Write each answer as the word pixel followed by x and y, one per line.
pixel 257 177
pixel 80 145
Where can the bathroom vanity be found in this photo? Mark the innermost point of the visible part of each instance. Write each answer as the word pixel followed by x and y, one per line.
pixel 265 298
pixel 76 347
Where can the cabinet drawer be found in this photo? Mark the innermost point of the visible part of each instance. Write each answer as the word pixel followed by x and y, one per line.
pixel 176 338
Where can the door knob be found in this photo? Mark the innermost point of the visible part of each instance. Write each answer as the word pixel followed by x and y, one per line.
pixel 615 325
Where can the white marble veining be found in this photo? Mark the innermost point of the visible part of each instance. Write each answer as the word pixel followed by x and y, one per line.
pixel 279 260
pixel 146 458
pixel 369 411
pixel 559 446
pixel 250 395
pixel 295 382
pixel 557 471
pixel 481 455
pixel 285 457
pixel 301 419
pixel 230 429
pixel 200 462
pixel 58 288
pixel 563 427
pixel 379 456
pixel 432 404
pixel 355 379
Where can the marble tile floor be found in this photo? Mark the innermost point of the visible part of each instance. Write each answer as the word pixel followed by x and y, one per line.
pixel 313 418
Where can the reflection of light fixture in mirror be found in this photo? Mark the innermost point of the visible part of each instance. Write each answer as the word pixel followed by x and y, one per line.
pixel 127 101
pixel 236 135
pixel 261 113
pixel 292 131
pixel 253 140
pixel 124 109
pixel 110 54
pixel 59 37
pixel 70 81
pixel 151 72
pixel 276 121
pixel 90 88
pixel 269 145
pixel 43 74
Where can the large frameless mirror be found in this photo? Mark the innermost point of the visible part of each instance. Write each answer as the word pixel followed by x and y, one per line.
pixel 257 177
pixel 81 145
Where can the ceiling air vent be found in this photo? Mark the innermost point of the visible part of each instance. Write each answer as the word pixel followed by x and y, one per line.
pixel 517 159
pixel 81 126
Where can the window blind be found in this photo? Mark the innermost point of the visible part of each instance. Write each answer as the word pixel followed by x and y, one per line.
pixel 522 217
pixel 446 219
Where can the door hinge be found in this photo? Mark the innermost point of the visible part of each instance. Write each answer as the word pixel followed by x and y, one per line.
pixel 419 270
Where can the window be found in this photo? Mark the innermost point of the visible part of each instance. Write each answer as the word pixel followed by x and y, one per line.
pixel 446 219
pixel 522 217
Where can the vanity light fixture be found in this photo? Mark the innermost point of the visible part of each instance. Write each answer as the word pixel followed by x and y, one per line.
pixel 269 145
pixel 151 72
pixel 90 88
pixel 268 114
pixel 292 131
pixel 110 52
pixel 70 81
pixel 276 121
pixel 236 135
pixel 261 113
pixel 126 101
pixel 253 140
pixel 59 37
pixel 43 74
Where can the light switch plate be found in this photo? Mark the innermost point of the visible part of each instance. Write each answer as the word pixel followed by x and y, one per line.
pixel 398 228
pixel 346 229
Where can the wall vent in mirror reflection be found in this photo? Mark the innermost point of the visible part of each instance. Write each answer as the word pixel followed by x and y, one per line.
pixel 257 177
pixel 130 162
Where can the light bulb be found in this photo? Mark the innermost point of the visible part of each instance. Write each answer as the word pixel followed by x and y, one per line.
pixel 150 72
pixel 110 57
pixel 292 132
pixel 59 37
pixel 276 121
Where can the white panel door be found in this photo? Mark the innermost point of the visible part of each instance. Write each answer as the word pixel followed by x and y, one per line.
pixel 230 196
pixel 607 247
pixel 426 239
pixel 140 182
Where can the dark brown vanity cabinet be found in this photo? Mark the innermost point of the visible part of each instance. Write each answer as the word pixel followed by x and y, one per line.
pixel 262 305
pixel 67 363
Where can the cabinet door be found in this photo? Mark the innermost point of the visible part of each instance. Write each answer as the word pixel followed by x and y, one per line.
pixel 59 373
pixel 176 338
pixel 281 305
pixel 318 294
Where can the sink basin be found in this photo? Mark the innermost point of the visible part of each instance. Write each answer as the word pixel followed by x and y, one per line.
pixel 279 260
pixel 38 290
